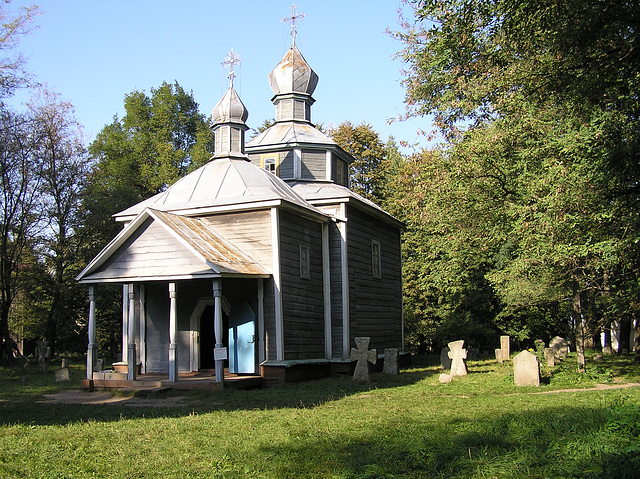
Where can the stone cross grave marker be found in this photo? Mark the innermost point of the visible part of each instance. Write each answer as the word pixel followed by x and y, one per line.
pixel 526 370
pixel 363 356
pixel 391 360
pixel 458 355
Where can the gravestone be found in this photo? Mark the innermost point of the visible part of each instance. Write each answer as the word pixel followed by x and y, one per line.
pixel 391 360
pixel 43 351
pixel 598 357
pixel 560 347
pixel 65 363
pixel 499 355
pixel 445 378
pixel 457 355
pixel 363 356
pixel 505 347
pixel 63 375
pixel 526 370
pixel 99 367
pixel 445 360
pixel 549 357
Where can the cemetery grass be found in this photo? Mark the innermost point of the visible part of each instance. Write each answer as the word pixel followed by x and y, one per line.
pixel 408 425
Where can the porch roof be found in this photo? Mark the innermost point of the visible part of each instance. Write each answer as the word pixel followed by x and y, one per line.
pixel 163 246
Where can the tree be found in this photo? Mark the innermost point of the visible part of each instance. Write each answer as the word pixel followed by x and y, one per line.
pixel 366 172
pixel 12 74
pixel 20 210
pixel 161 137
pixel 538 103
pixel 65 166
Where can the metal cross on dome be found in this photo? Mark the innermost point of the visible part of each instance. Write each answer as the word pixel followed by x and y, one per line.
pixel 292 19
pixel 230 61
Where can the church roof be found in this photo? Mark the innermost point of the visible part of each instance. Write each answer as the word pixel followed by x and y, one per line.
pixel 162 246
pixel 223 184
pixel 290 133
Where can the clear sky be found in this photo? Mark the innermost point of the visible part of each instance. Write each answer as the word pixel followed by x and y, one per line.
pixel 93 52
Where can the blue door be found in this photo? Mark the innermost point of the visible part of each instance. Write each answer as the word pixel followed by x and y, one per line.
pixel 242 339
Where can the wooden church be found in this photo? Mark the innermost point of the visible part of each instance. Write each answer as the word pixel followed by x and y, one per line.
pixel 261 262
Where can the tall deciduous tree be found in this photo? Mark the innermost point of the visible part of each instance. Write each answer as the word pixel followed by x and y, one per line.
pixel 539 103
pixel 65 166
pixel 20 210
pixel 366 172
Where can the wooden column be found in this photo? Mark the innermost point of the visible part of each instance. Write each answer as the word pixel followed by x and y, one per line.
pixel 326 286
pixel 91 349
pixel 131 334
pixel 173 334
pixel 277 291
pixel 262 352
pixel 217 326
pixel 344 262
pixel 125 320
pixel 142 353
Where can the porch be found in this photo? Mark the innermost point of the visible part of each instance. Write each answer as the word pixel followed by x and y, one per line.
pixel 202 380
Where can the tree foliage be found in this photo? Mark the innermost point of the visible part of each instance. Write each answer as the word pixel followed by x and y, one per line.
pixel 538 102
pixel 366 173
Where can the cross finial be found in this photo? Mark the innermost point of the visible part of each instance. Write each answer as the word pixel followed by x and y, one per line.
pixel 229 62
pixel 292 19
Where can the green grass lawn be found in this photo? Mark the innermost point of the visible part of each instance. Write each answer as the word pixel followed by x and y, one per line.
pixel 408 425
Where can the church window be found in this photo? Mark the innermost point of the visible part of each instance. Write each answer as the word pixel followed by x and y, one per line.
pixel 305 263
pixel 376 260
pixel 269 163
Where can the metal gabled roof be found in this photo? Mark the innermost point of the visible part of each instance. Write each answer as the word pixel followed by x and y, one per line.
pixel 330 193
pixel 290 133
pixel 224 182
pixel 189 247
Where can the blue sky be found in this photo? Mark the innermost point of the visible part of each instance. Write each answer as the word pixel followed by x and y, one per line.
pixel 94 52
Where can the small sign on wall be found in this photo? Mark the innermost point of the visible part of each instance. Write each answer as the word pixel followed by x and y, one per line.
pixel 220 354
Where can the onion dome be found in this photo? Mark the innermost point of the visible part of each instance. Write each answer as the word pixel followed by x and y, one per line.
pixel 293 75
pixel 230 109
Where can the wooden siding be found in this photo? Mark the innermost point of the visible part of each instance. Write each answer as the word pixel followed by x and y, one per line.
pixel 285 170
pixel 250 231
pixel 314 164
pixel 375 304
pixel 150 251
pixel 302 299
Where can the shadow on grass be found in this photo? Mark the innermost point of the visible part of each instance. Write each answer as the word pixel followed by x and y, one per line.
pixel 22 400
pixel 551 442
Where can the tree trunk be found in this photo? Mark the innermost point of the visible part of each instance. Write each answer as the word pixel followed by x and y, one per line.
pixel 636 338
pixel 606 346
pixel 579 326
pixel 625 333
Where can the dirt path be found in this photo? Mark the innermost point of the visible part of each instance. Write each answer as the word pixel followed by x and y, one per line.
pixel 107 398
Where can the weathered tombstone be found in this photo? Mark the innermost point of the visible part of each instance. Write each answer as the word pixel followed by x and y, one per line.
pixel 445 360
pixel 457 355
pixel 560 347
pixel 391 360
pixel 99 367
pixel 598 357
pixel 63 375
pixel 499 355
pixel 65 363
pixel 43 351
pixel 549 356
pixel 526 370
pixel 363 356
pixel 505 347
pixel 445 378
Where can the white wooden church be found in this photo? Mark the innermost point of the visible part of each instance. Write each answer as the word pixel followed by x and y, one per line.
pixel 261 261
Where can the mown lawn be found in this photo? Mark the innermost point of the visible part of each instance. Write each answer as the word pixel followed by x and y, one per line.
pixel 399 426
